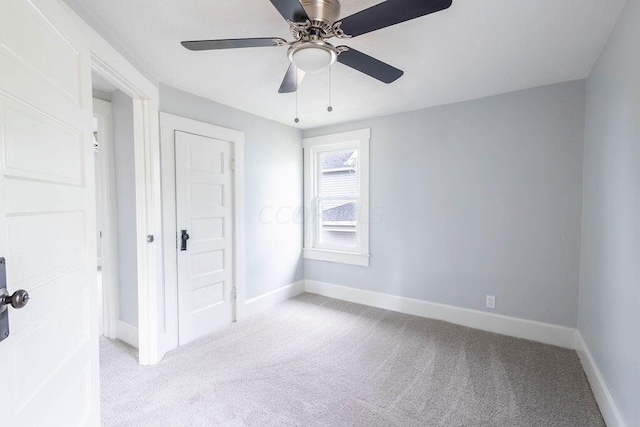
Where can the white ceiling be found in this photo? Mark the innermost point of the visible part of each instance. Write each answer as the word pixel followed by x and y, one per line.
pixel 472 50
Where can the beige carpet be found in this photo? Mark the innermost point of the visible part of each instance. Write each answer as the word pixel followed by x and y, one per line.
pixel 317 361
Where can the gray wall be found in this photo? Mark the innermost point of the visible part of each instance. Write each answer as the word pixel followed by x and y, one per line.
pixel 610 286
pixel 273 183
pixel 105 96
pixel 476 198
pixel 122 107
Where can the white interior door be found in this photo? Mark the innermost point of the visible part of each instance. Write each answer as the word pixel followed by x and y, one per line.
pixel 204 212
pixel 47 218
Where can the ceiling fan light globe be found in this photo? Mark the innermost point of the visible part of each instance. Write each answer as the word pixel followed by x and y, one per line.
pixel 312 60
pixel 312 57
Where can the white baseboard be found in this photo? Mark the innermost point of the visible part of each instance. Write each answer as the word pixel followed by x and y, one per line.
pixel 528 329
pixel 128 333
pixel 608 407
pixel 268 300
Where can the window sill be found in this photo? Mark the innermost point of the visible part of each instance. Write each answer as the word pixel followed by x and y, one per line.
pixel 336 256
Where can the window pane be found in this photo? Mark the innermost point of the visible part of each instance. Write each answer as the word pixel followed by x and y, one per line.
pixel 338 224
pixel 338 173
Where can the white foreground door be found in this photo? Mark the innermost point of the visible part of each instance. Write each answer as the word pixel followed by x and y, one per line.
pixel 49 362
pixel 204 213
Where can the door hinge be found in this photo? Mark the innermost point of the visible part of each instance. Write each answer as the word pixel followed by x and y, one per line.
pixel 233 165
pixel 234 293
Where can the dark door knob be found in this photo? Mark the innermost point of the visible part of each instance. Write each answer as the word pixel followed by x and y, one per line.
pixel 184 237
pixel 18 300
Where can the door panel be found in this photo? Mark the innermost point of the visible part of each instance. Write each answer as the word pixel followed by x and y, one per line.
pixel 45 51
pixel 203 205
pixel 60 147
pixel 50 360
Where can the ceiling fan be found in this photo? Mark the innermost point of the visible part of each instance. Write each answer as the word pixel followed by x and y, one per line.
pixel 312 22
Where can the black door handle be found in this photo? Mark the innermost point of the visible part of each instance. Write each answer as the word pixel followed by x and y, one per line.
pixel 184 237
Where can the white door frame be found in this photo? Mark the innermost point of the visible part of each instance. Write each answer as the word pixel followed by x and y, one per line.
pixel 170 123
pixel 112 66
pixel 109 241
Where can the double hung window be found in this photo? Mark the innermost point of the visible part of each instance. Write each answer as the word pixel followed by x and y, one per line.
pixel 337 197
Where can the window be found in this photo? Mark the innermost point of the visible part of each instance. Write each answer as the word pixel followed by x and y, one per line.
pixel 337 197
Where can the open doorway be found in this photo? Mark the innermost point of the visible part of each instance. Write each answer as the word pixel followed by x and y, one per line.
pixel 108 65
pixel 117 269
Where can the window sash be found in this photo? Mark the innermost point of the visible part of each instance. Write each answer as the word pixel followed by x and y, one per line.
pixel 319 188
pixel 318 225
pixel 321 195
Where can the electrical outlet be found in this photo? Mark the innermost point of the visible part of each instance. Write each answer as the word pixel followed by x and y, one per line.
pixel 491 301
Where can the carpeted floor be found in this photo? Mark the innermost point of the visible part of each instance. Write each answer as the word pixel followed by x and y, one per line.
pixel 318 361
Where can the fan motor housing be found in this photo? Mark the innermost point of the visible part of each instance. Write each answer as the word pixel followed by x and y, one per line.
pixel 322 11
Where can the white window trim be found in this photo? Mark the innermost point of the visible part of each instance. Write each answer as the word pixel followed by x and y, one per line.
pixel 312 146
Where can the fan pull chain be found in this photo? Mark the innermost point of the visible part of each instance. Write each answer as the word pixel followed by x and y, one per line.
pixel 329 108
pixel 297 120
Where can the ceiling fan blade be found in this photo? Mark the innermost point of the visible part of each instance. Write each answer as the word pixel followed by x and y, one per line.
pixel 369 65
pixel 291 80
pixel 389 13
pixel 291 10
pixel 233 43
